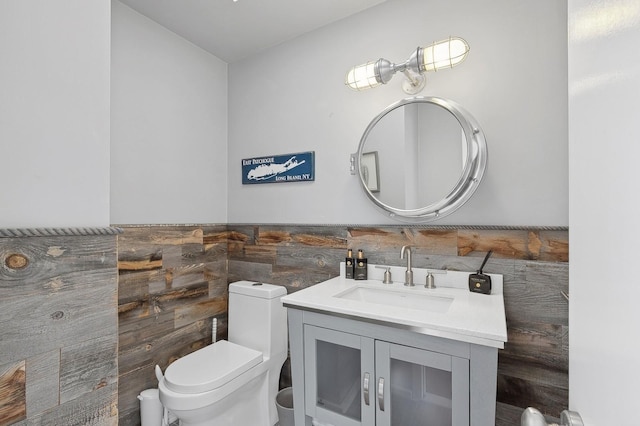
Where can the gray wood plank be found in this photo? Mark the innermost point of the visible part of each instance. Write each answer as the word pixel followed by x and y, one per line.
pixel 50 258
pixel 97 408
pixel 188 314
pixel 43 382
pixel 549 400
pixel 59 315
pixel 88 366
pixel 536 343
pixel 293 235
pixel 378 239
pixel 534 295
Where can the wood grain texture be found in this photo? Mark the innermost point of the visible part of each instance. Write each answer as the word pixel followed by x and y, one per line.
pixel 13 402
pixel 549 400
pixel 137 362
pixel 171 280
pixel 146 236
pixel 314 236
pixel 64 298
pixel 516 244
pixel 99 408
pixel 535 293
pixel 539 372
pixel 207 309
pixel 88 366
pixel 43 382
pixel 174 278
pixel 51 294
pixel 533 263
pixel 427 241
pixel 537 344
pixel 252 271
pixel 62 310
pixel 167 302
pixel 509 415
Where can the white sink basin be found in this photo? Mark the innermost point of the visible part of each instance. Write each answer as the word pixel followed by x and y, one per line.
pixel 409 299
pixel 450 310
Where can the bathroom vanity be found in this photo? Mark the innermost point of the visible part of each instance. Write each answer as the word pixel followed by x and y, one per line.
pixel 369 353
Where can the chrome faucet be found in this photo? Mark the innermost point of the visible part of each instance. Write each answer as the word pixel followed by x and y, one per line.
pixel 408 275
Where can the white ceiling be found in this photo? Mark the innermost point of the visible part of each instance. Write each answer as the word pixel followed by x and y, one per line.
pixel 233 30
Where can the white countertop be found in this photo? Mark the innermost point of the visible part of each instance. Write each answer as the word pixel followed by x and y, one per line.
pixel 471 317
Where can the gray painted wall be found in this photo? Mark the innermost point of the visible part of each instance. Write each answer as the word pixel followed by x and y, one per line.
pixel 604 315
pixel 54 113
pixel 175 163
pixel 168 126
pixel 291 98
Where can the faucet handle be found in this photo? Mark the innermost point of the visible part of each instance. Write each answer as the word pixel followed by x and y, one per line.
pixel 431 284
pixel 387 274
pixel 430 281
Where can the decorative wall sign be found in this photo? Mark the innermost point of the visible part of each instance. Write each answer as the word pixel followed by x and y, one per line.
pixel 279 168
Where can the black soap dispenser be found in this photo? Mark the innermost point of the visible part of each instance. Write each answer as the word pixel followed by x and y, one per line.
pixel 349 265
pixel 360 270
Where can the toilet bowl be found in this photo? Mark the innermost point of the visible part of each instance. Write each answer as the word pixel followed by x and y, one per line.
pixel 235 381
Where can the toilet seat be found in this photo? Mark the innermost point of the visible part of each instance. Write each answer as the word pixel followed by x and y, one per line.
pixel 210 368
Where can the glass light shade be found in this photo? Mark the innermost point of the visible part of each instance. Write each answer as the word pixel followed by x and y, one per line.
pixel 444 54
pixel 363 77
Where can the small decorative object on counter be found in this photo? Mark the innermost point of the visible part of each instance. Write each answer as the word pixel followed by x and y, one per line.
pixel 479 282
pixel 349 265
pixel 360 270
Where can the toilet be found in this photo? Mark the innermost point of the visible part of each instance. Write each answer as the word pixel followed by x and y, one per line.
pixel 235 381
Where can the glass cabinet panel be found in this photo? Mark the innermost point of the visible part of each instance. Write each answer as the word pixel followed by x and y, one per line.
pixel 420 395
pixel 420 388
pixel 338 379
pixel 338 368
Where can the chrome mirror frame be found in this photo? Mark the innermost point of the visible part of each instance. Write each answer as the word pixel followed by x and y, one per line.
pixel 472 174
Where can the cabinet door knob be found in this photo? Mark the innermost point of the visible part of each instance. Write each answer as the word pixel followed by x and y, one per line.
pixel 381 393
pixel 365 388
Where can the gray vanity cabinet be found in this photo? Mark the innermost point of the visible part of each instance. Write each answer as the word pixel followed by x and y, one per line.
pixel 354 380
pixel 348 372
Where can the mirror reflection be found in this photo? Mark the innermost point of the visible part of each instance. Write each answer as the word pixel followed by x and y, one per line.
pixel 420 151
pixel 421 158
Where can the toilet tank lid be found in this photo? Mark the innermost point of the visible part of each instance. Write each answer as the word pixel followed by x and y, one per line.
pixel 257 289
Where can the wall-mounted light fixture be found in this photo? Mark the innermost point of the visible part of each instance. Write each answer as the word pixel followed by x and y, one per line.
pixel 442 54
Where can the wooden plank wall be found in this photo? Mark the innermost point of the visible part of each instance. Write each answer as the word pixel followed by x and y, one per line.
pixel 59 336
pixel 58 328
pixel 533 367
pixel 172 283
pixel 173 280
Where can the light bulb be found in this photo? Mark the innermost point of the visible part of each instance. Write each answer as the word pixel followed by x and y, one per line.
pixel 443 54
pixel 363 77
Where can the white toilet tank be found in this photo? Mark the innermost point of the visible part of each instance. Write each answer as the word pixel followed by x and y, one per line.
pixel 257 318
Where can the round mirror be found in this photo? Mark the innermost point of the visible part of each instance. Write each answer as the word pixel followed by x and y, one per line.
pixel 421 158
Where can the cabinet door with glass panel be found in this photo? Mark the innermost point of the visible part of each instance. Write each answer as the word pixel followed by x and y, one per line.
pixel 419 387
pixel 338 377
pixel 354 380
